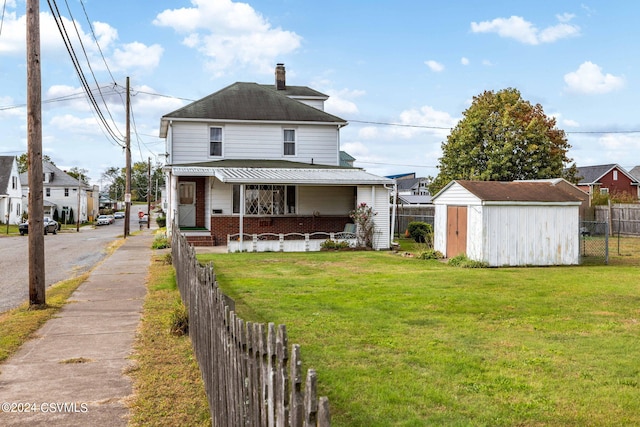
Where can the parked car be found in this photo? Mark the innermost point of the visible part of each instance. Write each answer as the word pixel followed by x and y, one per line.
pixel 119 215
pixel 50 226
pixel 112 218
pixel 103 220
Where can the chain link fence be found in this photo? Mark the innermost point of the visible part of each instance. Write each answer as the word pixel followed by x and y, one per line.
pixel 594 242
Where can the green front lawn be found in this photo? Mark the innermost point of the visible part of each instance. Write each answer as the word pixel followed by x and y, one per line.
pixel 399 341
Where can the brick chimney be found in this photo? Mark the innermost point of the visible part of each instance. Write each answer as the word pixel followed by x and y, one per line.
pixel 280 77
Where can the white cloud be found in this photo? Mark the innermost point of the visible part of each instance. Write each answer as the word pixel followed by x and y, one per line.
pixel 435 66
pixel 230 35
pixel 515 27
pixel 464 61
pixel 570 123
pixel 341 101
pixel 618 147
pixel 428 119
pixel 137 56
pixel 589 79
pixel 487 63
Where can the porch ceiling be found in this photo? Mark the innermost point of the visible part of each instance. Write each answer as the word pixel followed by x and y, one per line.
pixel 285 176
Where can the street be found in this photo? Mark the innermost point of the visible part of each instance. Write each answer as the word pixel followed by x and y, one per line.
pixel 67 254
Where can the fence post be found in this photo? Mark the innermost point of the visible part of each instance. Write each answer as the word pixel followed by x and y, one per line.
pixel 282 395
pixel 297 401
pixel 310 400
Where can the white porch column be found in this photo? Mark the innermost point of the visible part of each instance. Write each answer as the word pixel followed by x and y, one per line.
pixel 241 228
pixel 172 214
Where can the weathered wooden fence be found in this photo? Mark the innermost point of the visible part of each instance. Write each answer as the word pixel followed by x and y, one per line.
pixel 251 377
pixel 622 218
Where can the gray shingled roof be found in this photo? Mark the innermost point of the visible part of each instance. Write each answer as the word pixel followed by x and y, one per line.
pixel 591 174
pixel 6 162
pixel 635 172
pixel 515 191
pixel 253 102
pixel 60 177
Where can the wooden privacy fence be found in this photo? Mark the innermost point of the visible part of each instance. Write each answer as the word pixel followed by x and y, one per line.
pixel 251 377
pixel 622 218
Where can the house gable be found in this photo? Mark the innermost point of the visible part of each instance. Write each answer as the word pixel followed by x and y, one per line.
pixel 611 177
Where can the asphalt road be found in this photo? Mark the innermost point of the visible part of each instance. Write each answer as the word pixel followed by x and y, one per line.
pixel 67 254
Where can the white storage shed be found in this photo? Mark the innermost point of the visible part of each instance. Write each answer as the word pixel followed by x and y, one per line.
pixel 508 223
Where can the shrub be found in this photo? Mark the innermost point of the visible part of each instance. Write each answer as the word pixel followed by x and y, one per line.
pixel 464 262
pixel 329 245
pixel 430 254
pixel 362 216
pixel 161 242
pixel 421 232
pixel 179 322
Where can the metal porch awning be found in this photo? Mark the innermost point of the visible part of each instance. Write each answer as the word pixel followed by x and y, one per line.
pixel 293 176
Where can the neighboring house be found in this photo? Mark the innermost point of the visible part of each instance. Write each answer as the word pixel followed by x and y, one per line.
pixel 10 191
pixel 412 190
pixel 508 223
pixel 635 172
pixel 585 213
pixel 608 179
pixel 253 159
pixel 62 193
pixel 346 159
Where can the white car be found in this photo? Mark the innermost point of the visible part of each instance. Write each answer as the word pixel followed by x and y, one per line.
pixel 103 220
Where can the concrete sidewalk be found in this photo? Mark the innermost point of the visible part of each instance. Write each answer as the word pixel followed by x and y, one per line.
pixel 73 372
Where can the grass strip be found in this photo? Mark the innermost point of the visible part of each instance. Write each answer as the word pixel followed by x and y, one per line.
pixel 167 382
pixel 19 324
pixel 400 341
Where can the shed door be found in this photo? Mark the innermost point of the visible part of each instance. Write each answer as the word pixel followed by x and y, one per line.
pixel 456 230
pixel 187 204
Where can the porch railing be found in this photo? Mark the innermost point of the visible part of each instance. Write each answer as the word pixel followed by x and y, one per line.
pixel 289 242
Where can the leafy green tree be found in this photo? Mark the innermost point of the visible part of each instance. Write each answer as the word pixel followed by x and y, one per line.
pixel 79 173
pixel 116 181
pixel 23 161
pixel 504 138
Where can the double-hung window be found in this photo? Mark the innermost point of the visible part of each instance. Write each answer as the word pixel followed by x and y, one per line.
pixel 289 142
pixel 215 142
pixel 66 192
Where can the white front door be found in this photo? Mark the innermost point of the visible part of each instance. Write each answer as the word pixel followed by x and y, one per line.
pixel 187 204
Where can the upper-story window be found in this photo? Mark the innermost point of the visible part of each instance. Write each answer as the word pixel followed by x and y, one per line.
pixel 289 142
pixel 66 192
pixel 14 182
pixel 615 175
pixel 215 141
pixel 47 192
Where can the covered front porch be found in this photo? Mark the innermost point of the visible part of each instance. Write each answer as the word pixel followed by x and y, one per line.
pixel 267 208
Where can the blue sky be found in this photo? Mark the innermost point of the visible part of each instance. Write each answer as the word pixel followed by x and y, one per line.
pixel 412 63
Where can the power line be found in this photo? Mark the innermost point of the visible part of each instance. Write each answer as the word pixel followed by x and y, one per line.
pixel 76 64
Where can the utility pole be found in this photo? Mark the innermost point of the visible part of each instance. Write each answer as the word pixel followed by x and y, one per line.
pixel 34 142
pixel 149 197
pixel 127 191
pixel 78 213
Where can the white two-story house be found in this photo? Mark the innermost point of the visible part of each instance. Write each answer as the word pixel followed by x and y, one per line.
pixel 10 191
pixel 63 194
pixel 264 159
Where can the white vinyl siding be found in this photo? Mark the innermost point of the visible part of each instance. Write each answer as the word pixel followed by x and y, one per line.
pixel 378 198
pixel 317 143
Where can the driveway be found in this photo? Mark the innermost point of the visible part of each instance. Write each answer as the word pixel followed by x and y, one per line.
pixel 67 254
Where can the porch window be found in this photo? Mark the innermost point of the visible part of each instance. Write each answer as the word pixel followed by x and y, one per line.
pixel 266 199
pixel 289 142
pixel 215 141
